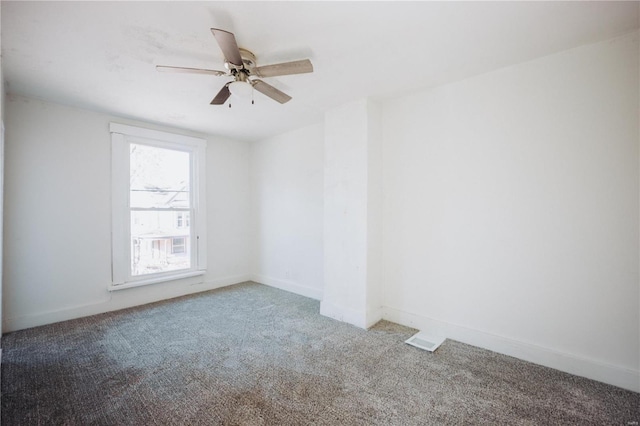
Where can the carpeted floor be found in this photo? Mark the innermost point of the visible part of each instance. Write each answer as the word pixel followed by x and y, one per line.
pixel 252 355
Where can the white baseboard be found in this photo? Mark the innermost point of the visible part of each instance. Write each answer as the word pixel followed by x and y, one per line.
pixel 289 286
pixel 569 363
pixel 122 299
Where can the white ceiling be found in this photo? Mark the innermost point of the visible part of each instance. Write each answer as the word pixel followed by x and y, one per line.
pixel 102 55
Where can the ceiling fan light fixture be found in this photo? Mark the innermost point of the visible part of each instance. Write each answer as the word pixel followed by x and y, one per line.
pixel 242 89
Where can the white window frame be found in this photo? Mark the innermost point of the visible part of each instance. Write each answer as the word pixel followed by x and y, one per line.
pixel 121 137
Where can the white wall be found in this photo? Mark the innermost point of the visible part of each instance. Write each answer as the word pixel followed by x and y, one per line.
pixel 511 210
pixel 2 97
pixel 57 262
pixel 287 193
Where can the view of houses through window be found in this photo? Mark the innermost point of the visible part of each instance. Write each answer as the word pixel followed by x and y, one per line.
pixel 160 205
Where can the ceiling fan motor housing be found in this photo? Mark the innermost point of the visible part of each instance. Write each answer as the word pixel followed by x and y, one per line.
pixel 248 61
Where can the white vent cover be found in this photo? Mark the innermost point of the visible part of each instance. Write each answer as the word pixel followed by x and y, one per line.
pixel 425 341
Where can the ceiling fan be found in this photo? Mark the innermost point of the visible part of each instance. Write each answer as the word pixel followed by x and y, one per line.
pixel 240 64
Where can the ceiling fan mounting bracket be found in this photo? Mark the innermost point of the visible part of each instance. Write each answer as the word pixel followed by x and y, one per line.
pixel 248 62
pixel 248 58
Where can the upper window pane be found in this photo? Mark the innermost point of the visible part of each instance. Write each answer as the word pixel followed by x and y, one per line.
pixel 159 177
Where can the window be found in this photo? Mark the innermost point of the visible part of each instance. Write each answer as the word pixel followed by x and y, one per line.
pixel 182 219
pixel 158 206
pixel 178 245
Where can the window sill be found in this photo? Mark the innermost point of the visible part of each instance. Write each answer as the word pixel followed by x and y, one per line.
pixel 154 280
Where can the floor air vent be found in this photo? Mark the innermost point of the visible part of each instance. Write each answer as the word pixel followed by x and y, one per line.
pixel 425 341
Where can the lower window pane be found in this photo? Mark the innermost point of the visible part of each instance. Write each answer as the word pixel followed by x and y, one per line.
pixel 159 242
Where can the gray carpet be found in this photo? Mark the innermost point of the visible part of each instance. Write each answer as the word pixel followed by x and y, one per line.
pixel 252 355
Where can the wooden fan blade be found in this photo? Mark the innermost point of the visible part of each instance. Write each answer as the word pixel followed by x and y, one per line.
pixel 222 96
pixel 270 91
pixel 285 68
pixel 228 45
pixel 165 68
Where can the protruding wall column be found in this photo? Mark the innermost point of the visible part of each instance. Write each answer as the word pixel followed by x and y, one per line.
pixel 352 209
